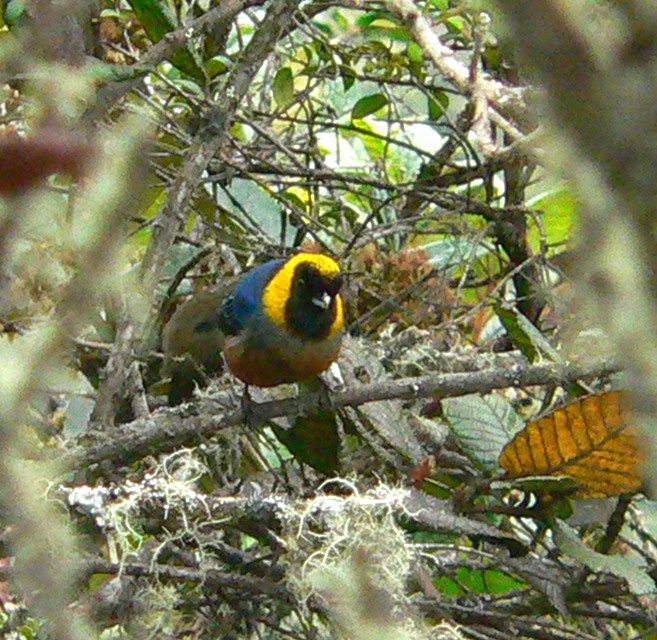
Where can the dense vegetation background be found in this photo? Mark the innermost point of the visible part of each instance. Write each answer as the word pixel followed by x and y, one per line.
pixel 485 173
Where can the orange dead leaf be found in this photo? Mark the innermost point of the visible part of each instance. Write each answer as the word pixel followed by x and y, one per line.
pixel 591 440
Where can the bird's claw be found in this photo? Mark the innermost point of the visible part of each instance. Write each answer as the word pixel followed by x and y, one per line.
pixel 247 405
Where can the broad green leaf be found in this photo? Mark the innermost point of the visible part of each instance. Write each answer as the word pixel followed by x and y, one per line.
pixel 368 105
pixel 250 202
pixel 111 13
pixel 448 586
pixel 559 209
pixel 324 54
pixel 158 20
pixel 323 27
pixel 341 20
pixel 482 426
pixel 283 87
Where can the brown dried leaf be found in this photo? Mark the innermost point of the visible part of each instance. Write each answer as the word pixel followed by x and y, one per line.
pixel 591 440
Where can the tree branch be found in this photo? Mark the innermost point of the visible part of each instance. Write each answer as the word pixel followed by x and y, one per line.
pixel 193 422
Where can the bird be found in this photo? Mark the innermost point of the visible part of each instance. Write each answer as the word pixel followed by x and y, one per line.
pixel 283 322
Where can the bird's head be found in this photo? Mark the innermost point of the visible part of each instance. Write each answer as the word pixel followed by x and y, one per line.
pixel 304 296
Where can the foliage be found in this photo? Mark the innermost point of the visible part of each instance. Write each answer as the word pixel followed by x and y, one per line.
pixel 151 150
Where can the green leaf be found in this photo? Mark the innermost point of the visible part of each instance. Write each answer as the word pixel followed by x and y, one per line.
pixel 367 19
pixel 283 87
pixel 490 581
pixel 559 209
pixel 348 76
pixel 482 426
pixel 368 105
pixel 374 145
pixel 323 52
pixel 437 105
pixel 158 20
pixel 415 52
pixel 14 13
pixel 218 65
pixel 340 20
pixel 524 334
pixel 456 23
pixel 248 202
pixel 323 27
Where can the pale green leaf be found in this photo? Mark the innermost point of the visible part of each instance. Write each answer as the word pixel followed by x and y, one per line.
pixel 482 426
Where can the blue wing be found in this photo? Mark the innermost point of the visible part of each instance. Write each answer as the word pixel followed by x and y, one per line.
pixel 246 298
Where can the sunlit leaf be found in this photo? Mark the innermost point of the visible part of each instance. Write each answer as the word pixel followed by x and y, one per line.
pixel 591 440
pixel 368 18
pixel 559 209
pixel 477 581
pixel 415 52
pixel 283 87
pixel 456 23
pixel 340 19
pixel 373 144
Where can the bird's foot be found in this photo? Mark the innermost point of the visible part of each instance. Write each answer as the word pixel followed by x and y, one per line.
pixel 314 398
pixel 248 406
pixel 325 398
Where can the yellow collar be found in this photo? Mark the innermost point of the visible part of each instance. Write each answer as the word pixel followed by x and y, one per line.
pixel 277 292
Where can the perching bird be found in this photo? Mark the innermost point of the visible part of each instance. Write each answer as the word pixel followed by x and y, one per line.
pixel 283 322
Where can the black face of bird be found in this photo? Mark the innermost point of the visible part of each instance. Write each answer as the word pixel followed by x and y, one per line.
pixel 312 306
